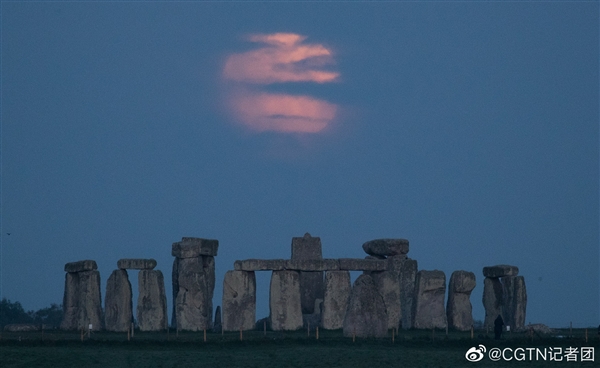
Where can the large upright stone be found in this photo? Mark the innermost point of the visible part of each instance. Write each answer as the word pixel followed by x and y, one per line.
pixel 408 276
pixel 386 247
pixel 514 301
pixel 193 286
pixel 335 302
pixel 459 309
pixel 118 309
pixel 70 302
pixel 366 314
pixel 492 300
pixel 82 301
pixel 152 301
pixel 311 283
pixel 388 285
pixel 284 301
pixel 239 300
pixel 428 307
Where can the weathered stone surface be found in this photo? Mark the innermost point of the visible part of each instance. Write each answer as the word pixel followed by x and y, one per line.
pixel 118 309
pixel 175 290
pixel 218 323
pixel 459 309
pixel 136 264
pixel 306 247
pixel 357 264
pixel 428 307
pixel 514 301
pixel 195 247
pixel 239 300
pixel 335 302
pixel 408 276
pixel 366 314
pixel 284 301
pixel 80 266
pixel 386 247
pixel 492 300
pixel 312 264
pixel 500 271
pixel 82 302
pixel 311 289
pixel 388 286
pixel 194 287
pixel 260 265
pixel 21 327
pixel 152 301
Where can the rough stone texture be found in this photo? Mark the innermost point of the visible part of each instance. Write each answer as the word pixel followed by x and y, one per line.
pixel 70 302
pixel 459 309
pixel 306 247
pixel 175 291
pixel 218 324
pixel 260 265
pixel 193 292
pixel 428 306
pixel 500 271
pixel 366 314
pixel 335 302
pixel 312 264
pixel 388 285
pixel 80 266
pixel 492 300
pixel 408 276
pixel 239 300
pixel 284 301
pixel 514 301
pixel 386 247
pixel 357 264
pixel 82 301
pixel 195 247
pixel 118 309
pixel 152 301
pixel 136 264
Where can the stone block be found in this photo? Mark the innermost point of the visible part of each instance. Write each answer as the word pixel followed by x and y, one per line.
pixel 136 264
pixel 492 300
pixel 306 247
pixel 239 300
pixel 284 301
pixel 366 314
pixel 312 264
pixel 152 301
pixel 408 276
pixel 195 247
pixel 80 266
pixel 357 264
pixel 260 265
pixel 386 247
pixel 118 307
pixel 428 308
pixel 500 271
pixel 193 292
pixel 388 285
pixel 335 301
pixel 459 309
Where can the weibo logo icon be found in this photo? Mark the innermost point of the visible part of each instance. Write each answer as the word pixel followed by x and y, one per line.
pixel 280 58
pixel 475 354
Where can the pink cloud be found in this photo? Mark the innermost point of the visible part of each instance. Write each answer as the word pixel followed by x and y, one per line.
pixel 282 58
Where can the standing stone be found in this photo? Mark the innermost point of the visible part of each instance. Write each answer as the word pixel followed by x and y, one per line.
pixel 311 283
pixel 175 291
pixel 520 306
pixel 492 300
pixel 195 287
pixel 70 302
pixel 388 285
pixel 459 309
pixel 218 324
pixel 118 309
pixel 428 307
pixel 152 301
pixel 335 302
pixel 408 276
pixel 284 301
pixel 366 315
pixel 90 301
pixel 239 300
pixel 514 301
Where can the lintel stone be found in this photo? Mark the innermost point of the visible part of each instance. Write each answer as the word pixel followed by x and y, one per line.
pixel 80 266
pixel 136 264
pixel 500 271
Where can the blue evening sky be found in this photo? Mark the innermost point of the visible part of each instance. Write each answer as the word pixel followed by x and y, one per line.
pixel 469 128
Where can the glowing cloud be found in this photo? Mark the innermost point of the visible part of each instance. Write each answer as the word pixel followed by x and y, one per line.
pixel 282 58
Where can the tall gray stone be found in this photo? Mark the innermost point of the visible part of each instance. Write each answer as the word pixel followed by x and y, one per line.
pixel 459 309
pixel 492 300
pixel 311 283
pixel 70 302
pixel 428 307
pixel 284 301
pixel 366 314
pixel 239 300
pixel 514 298
pixel 388 285
pixel 82 301
pixel 118 309
pixel 335 302
pixel 408 276
pixel 152 301
pixel 193 292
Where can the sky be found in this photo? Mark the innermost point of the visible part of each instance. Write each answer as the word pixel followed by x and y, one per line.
pixel 469 128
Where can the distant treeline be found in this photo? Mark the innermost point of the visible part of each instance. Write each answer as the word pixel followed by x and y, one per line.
pixel 14 313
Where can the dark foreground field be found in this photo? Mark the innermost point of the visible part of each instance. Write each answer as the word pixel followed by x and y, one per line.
pixel 409 349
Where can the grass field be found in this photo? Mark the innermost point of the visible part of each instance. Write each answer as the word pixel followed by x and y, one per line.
pixel 290 349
